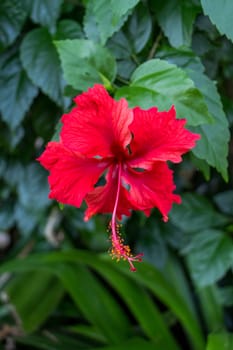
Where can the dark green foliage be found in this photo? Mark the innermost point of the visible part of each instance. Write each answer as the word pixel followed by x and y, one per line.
pixel 59 289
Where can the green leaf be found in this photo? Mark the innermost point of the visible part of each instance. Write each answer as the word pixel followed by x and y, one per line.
pixel 134 344
pixel 224 201
pixel 147 276
pixel 84 62
pixel 176 18
pixel 33 188
pixel 6 218
pixel 140 305
pixel 130 40
pixel 107 16
pixel 12 18
pixel 159 83
pixel 210 255
pixel 56 341
pixel 211 307
pixel 41 61
pixel 44 12
pixel 225 295
pixel 35 304
pixel 93 299
pixel 17 92
pixel 197 210
pixel 67 28
pixel 213 145
pixel 220 14
pixel 138 28
pixel 217 341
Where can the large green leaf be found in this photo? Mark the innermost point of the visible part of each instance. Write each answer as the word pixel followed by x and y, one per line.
pixel 147 275
pixel 107 16
pixel 56 341
pixel 59 342
pixel 33 188
pixel 12 18
pixel 36 303
pixel 210 255
pixel 85 63
pixel 93 299
pixel 130 40
pixel 44 12
pixel 211 307
pixel 176 18
pixel 197 210
pixel 41 61
pixel 217 341
pixel 140 305
pixel 213 146
pixel 17 92
pixel 158 83
pixel 134 344
pixel 138 28
pixel 224 201
pixel 220 13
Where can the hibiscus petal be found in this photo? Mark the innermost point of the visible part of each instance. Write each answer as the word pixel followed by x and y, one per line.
pixel 158 136
pixel 151 188
pixel 72 175
pixel 103 198
pixel 98 126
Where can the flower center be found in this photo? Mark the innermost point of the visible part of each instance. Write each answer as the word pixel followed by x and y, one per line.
pixel 120 250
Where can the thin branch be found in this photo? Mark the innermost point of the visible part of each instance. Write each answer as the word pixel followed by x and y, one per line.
pixel 155 46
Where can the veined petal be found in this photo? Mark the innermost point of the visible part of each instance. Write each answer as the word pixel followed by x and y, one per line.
pixel 158 136
pixel 151 188
pixel 103 198
pixel 99 125
pixel 72 175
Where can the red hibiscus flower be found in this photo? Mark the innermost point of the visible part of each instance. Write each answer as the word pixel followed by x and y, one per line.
pixel 129 148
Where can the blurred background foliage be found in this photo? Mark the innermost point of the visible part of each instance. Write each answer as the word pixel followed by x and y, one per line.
pixel 58 288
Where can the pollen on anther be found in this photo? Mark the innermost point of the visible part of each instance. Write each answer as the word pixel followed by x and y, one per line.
pixel 119 250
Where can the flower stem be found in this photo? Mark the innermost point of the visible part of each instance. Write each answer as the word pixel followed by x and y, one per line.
pixel 119 249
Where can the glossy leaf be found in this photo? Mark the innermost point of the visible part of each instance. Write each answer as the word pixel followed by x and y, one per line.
pixel 176 18
pixel 44 12
pixel 209 250
pixel 145 311
pixel 95 302
pixel 17 92
pixel 67 28
pixel 220 14
pixel 44 287
pixel 197 210
pixel 217 341
pixel 130 40
pixel 211 307
pixel 224 201
pixel 12 18
pixel 114 13
pixel 40 60
pixel 213 145
pixel 138 28
pixel 85 63
pixel 146 275
pixel 159 83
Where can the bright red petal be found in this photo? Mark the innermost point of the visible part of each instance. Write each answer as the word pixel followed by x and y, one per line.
pixel 158 136
pixel 103 198
pixel 152 188
pixel 72 175
pixel 98 126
